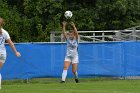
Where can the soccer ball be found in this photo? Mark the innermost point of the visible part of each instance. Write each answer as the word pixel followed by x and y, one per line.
pixel 68 14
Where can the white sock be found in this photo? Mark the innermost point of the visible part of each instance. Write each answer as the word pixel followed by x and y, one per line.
pixel 0 80
pixel 76 75
pixel 64 75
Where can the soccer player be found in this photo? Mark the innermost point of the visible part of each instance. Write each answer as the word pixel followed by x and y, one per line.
pixel 72 51
pixel 4 36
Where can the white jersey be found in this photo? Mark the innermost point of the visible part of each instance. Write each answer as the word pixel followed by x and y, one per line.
pixel 4 36
pixel 72 47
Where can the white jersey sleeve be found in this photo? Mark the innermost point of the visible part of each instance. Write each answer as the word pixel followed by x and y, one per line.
pixel 6 34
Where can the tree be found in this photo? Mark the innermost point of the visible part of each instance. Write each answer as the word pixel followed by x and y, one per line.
pixel 32 20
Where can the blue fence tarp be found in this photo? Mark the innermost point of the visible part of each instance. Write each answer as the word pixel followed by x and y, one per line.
pixel 95 59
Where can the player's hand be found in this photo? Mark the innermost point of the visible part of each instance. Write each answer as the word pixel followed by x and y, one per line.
pixel 64 23
pixel 17 54
pixel 72 24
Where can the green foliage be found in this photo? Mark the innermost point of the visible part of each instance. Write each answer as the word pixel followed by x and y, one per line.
pixel 32 20
pixel 12 19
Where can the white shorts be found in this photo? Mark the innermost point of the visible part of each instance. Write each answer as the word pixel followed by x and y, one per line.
pixel 2 58
pixel 73 60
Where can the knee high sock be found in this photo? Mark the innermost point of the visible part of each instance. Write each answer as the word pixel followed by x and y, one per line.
pixel 76 75
pixel 64 75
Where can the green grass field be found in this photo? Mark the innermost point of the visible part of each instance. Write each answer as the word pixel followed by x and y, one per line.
pixel 85 86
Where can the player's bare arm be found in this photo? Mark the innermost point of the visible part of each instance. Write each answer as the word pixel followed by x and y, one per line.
pixel 64 23
pixel 74 29
pixel 13 47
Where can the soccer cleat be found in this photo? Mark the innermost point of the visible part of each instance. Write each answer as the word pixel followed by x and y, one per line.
pixel 62 82
pixel 77 81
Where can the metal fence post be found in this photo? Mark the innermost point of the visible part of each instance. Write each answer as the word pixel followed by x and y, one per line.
pixel 93 36
pixel 52 37
pixel 118 35
pixel 134 34
pixel 103 36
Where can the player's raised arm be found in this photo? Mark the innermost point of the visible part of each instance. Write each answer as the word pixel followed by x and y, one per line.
pixel 64 29
pixel 74 29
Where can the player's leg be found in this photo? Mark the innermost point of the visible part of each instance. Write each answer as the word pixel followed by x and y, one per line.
pixel 74 68
pixel 65 69
pixel 2 60
pixel 1 64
